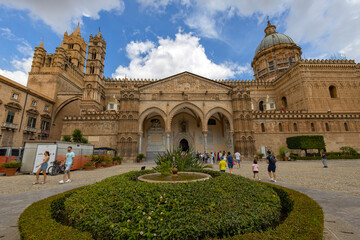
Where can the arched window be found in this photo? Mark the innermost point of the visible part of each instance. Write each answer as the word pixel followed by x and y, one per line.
pixel 332 91
pixel 92 69
pixel 93 55
pixel 262 127
pixel 280 127
pixel 327 127
pixel 346 127
pixel 312 127
pixel 261 105
pixel 295 127
pixel 284 102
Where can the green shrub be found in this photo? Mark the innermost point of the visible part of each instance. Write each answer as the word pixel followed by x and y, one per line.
pixel 117 159
pixel 305 221
pixel 221 207
pixel 301 217
pixel 12 164
pixel 346 150
pixel 36 223
pixel 305 142
pixel 282 151
pixel 140 156
pixel 97 158
pixel 66 138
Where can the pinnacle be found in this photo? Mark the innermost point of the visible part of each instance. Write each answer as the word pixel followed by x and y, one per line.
pixel 41 44
pixel 77 31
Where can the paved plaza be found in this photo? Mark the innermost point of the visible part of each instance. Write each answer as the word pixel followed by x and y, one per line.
pixel 336 189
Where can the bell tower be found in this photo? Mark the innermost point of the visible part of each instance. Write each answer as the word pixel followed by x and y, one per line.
pixel 94 94
pixel 75 47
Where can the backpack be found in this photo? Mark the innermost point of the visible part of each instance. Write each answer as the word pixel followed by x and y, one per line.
pixel 272 160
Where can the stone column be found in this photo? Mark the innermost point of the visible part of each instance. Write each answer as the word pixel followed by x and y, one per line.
pixel 205 141
pixel 140 142
pixel 168 141
pixel 232 142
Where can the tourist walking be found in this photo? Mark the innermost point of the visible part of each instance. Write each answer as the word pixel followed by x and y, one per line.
pixel 43 168
pixel 230 161
pixel 222 164
pixel 219 156
pixel 69 161
pixel 323 158
pixel 255 169
pixel 237 157
pixel 271 160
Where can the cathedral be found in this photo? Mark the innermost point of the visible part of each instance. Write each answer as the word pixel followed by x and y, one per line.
pixel 288 96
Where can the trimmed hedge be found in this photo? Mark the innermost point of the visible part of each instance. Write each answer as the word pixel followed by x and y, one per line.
pixel 304 221
pixel 36 223
pixel 305 142
pixel 220 207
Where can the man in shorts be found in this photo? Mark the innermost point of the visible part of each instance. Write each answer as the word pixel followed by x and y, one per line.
pixel 271 160
pixel 69 160
pixel 237 157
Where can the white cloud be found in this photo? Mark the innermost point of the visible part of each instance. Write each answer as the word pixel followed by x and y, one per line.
pixel 60 15
pixel 172 56
pixel 22 68
pixel 17 76
pixel 329 26
pixel 23 65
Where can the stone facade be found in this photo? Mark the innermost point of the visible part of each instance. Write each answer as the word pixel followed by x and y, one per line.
pixel 289 96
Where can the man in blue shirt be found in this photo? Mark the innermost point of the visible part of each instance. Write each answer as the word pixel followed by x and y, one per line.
pixel 271 160
pixel 69 160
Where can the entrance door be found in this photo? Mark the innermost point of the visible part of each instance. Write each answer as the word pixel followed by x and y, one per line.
pixel 184 145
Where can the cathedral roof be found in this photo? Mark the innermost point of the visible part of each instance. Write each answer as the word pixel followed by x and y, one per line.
pixel 272 38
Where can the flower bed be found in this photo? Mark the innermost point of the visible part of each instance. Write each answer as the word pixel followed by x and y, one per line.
pixel 222 207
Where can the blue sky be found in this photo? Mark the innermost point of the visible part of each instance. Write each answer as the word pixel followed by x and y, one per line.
pixel 159 38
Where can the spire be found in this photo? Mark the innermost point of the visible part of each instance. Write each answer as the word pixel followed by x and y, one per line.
pixel 270 29
pixel 99 33
pixel 42 43
pixel 77 31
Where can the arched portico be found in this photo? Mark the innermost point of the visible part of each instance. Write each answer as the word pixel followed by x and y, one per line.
pixel 152 124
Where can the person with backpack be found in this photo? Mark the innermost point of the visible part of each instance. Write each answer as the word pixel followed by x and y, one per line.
pixel 271 160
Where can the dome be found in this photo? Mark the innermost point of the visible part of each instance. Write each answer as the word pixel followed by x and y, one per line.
pixel 272 40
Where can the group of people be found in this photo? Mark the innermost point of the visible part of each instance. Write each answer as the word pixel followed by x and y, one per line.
pixel 227 161
pixel 214 157
pixel 44 166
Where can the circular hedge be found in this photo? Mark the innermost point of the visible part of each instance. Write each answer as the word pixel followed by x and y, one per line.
pixel 122 208
pixel 301 217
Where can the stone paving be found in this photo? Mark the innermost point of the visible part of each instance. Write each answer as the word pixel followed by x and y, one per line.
pixel 336 189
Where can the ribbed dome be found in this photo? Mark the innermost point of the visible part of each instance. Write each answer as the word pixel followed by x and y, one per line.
pixel 272 40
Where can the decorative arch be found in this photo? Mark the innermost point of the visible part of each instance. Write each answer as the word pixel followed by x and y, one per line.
pixel 184 105
pixel 63 104
pixel 148 111
pixel 222 111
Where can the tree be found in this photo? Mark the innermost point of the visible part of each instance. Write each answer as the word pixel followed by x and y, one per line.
pixel 66 138
pixel 77 137
pixel 306 142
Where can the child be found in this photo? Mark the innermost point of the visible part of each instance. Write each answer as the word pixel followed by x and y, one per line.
pixel 255 168
pixel 222 164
